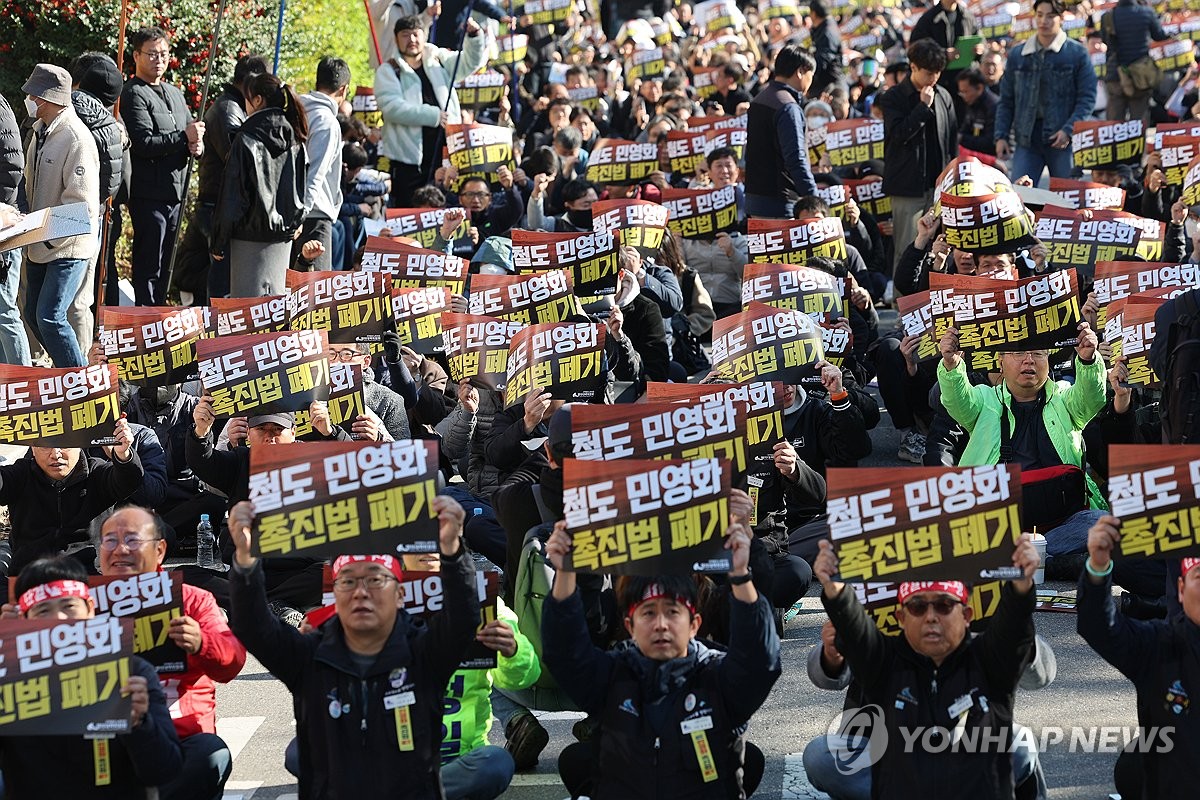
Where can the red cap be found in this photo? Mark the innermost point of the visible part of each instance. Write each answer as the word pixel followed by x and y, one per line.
pixel 390 563
pixel 957 589
pixel 1186 566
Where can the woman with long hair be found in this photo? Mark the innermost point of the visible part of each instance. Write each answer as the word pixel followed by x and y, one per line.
pixel 262 201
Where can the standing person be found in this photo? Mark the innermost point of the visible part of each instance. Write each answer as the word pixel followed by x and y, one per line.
pixel 920 138
pixel 96 85
pixel 1048 86
pixel 1130 74
pixel 362 675
pixel 826 50
pixel 14 344
pixel 945 23
pixel 777 170
pixel 162 136
pixel 261 205
pixel 412 89
pixel 195 271
pixel 977 128
pixel 323 187
pixel 61 166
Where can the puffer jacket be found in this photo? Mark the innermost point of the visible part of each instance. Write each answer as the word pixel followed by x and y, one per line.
pixel 110 140
pixel 483 478
pixel 398 94
pixel 1068 410
pixel 12 155
pixel 221 124
pixel 262 194
pixel 721 273
pixel 157 126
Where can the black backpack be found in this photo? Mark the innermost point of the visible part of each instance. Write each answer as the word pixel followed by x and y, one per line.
pixel 1180 406
pixel 686 349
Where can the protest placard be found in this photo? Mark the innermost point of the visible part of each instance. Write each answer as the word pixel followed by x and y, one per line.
pixel 262 373
pixel 1155 492
pixel 593 257
pixel 344 498
pixel 850 142
pixel 1178 151
pixel 717 15
pixel 1039 313
pixel 644 64
pixel 620 162
pixel 924 523
pixel 881 601
pixel 1190 195
pixel 69 407
pixel 529 299
pixel 723 122
pixel 350 306
pixel 996 26
pixel 422 595
pixel 413 267
pixel 563 358
pixel 481 89
pixel 1173 54
pixel 479 150
pixel 239 315
pixel 1182 25
pixel 152 346
pixel 916 319
pixel 702 82
pixel 1116 280
pixel 986 224
pixel 868 193
pixel 477 348
pixel 1084 194
pixel 346 399
pixel 642 223
pixel 1104 145
pixel 1130 331
pixel 794 242
pixel 544 12
pixel 969 177
pixel 511 50
pixel 785 9
pixel 645 517
pixel 64 677
pixel 713 428
pixel 418 314
pixel 685 150
pixel 767 344
pixel 821 295
pixel 701 213
pixel 1164 129
pixel 150 601
pixel 731 138
pixel 419 224
pixel 835 196
pixel 1080 239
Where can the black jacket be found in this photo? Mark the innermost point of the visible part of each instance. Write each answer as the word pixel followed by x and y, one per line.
pixel 911 692
pixel 64 766
pixel 935 24
pixel 827 50
pixel 354 752
pixel 643 325
pixel 12 155
pixel 223 120
pixel 156 118
pixel 48 515
pixel 905 117
pixel 110 144
pixel 262 192
pixel 978 127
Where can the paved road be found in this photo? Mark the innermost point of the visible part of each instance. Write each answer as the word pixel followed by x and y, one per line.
pixel 1087 693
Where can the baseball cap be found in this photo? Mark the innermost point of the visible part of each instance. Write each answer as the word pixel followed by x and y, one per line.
pixel 558 436
pixel 282 420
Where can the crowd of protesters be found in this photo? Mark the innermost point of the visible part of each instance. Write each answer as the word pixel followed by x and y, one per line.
pixel 295 181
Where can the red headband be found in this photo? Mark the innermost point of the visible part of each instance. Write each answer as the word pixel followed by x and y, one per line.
pixel 52 591
pixel 390 563
pixel 957 589
pixel 655 591
pixel 1186 566
pixel 319 616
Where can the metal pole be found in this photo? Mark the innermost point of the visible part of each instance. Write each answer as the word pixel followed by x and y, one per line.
pixel 187 177
pixel 374 35
pixel 279 35
pixel 106 220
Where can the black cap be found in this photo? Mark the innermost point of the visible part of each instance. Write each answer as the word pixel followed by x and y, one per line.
pixel 97 74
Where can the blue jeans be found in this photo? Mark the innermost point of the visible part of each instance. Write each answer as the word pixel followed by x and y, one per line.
pixel 482 774
pixel 14 345
pixel 207 764
pixel 50 292
pixel 1071 536
pixel 1039 156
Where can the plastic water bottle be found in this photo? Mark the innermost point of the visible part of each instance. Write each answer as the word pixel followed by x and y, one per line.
pixel 206 543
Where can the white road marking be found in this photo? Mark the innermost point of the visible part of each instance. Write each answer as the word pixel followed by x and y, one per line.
pixel 237 732
pixel 240 790
pixel 536 779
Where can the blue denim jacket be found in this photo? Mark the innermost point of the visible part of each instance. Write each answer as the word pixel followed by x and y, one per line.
pixel 1067 89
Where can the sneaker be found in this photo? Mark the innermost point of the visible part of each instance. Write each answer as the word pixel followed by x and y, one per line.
pixel 525 739
pixel 585 729
pixel 289 615
pixel 912 448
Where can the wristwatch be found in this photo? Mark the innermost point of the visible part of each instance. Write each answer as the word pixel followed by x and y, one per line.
pixel 740 580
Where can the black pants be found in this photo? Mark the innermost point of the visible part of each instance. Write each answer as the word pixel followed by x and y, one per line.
pixel 289 585
pixel 112 282
pixel 905 396
pixel 406 179
pixel 154 223
pixel 577 764
pixel 322 231
pixel 193 264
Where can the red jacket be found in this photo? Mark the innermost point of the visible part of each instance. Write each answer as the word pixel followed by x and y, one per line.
pixel 192 696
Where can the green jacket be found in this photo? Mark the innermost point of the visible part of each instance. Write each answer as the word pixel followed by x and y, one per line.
pixel 467 708
pixel 1069 408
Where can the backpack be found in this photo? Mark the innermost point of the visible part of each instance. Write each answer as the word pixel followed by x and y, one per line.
pixel 686 349
pixel 1180 405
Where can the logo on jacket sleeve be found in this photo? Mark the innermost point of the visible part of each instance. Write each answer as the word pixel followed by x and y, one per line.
pixel 1177 698
pixel 627 707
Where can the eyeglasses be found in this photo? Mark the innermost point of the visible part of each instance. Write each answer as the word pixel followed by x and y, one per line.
pixel 373 583
pixel 344 355
pixel 131 542
pixel 943 606
pixel 1021 355
pixel 475 195
pixel 156 55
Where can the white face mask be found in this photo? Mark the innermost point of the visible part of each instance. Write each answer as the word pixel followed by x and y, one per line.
pixel 30 106
pixel 818 121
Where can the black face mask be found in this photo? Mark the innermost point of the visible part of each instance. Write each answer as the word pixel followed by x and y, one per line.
pixel 580 218
pixel 161 396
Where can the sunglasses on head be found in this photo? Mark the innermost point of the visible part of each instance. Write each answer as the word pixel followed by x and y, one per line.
pixel 943 606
